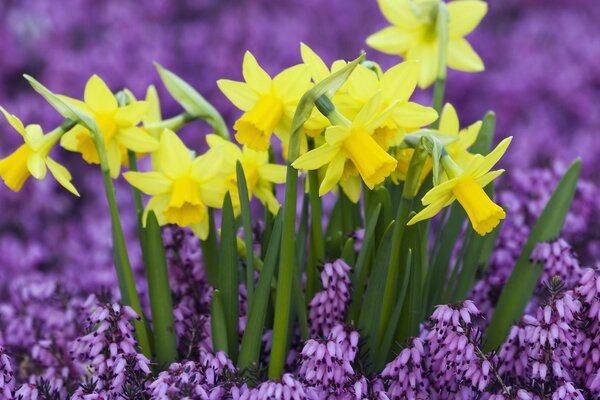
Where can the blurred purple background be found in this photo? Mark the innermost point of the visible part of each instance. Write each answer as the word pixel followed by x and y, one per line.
pixel 542 80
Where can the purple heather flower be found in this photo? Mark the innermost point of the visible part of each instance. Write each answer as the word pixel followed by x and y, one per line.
pixel 559 260
pixel 328 307
pixel 405 373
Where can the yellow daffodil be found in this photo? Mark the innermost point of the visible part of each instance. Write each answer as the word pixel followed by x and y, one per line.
pixel 397 85
pixel 31 158
pixel 259 173
pixel 268 104
pixel 466 185
pixel 413 34
pixel 118 126
pixel 184 187
pixel 350 150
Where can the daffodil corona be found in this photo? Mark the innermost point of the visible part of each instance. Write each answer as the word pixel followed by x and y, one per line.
pixel 414 34
pixel 118 126
pixel 466 185
pixel 32 158
pixel 268 104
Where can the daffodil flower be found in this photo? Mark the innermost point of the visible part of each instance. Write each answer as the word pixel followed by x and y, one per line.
pixel 184 187
pixel 351 150
pixel 31 158
pixel 259 173
pixel 118 126
pixel 466 185
pixel 268 104
pixel 413 34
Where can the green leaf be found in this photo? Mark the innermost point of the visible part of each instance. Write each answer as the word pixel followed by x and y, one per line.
pixel 306 104
pixel 298 295
pixel 161 303
pixel 483 144
pixel 247 224
pixel 257 309
pixel 218 325
pixel 192 101
pixel 348 253
pixel 210 251
pixel 228 277
pixel 524 278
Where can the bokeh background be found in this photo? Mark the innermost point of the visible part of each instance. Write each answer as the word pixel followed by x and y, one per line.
pixel 542 80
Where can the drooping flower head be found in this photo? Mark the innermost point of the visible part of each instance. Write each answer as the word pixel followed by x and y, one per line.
pixel 183 188
pixel 32 158
pixel 268 104
pixel 414 34
pixel 118 126
pixel 466 185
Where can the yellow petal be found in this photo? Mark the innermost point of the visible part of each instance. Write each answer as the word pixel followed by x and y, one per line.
pixel 255 76
pixel 266 196
pixel 413 115
pixel 99 97
pixel 212 192
pixel 351 187
pixel 484 180
pixel 13 169
pixel 426 52
pixel 462 57
pixel 369 111
pixel 36 166
pixel 465 15
pixel 62 175
pixel 334 173
pixel 137 139
pixel 14 121
pixel 432 209
pixel 400 81
pixel 399 12
pixel 239 93
pixel 201 229
pixel 363 84
pixel 114 155
pixel 154 113
pixel 316 158
pixel 174 156
pixel 272 173
pixel 372 162
pixel 132 113
pixel 491 159
pixel 449 123
pixel 391 40
pixel 152 183
pixel 157 204
pixel 317 67
pixel 291 83
pixel 34 136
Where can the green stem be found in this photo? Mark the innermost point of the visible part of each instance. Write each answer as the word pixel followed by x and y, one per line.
pixel 316 245
pixel 438 98
pixel 210 251
pixel 173 123
pixel 285 278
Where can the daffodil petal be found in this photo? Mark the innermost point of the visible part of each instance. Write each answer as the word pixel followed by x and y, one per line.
pixel 113 154
pixel 132 113
pixel 334 173
pixel 255 76
pixel 351 187
pixel 266 196
pixel 398 12
pixel 369 111
pixel 62 175
pixel 239 93
pixel 316 158
pixel 137 139
pixel 201 229
pixel 212 192
pixel 334 135
pixel 484 180
pixel 174 157
pixel 291 83
pixel 33 135
pixel 465 15
pixel 152 183
pixel 362 83
pixel 400 81
pixel 391 40
pixel 426 52
pixel 449 123
pixel 157 204
pixel 413 115
pixel 462 57
pixel 98 96
pixel 493 157
pixel 14 121
pixel 272 172
pixel 432 209
pixel 36 166
pixel 317 67
pixel 154 114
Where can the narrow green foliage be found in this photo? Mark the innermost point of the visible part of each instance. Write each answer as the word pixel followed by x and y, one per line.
pixel 523 280
pixel 348 254
pixel 298 294
pixel 316 252
pixel 192 101
pixel 161 303
pixel 228 277
pixel 218 324
pixel 258 307
pixel 247 224
pixel 210 251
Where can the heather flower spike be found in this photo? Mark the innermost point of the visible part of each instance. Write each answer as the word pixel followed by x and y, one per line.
pixel 413 34
pixel 32 158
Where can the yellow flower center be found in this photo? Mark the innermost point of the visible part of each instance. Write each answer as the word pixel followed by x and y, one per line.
pixel 484 214
pixel 107 124
pixel 13 169
pixel 186 207
pixel 87 148
pixel 255 127
pixel 384 134
pixel 371 161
